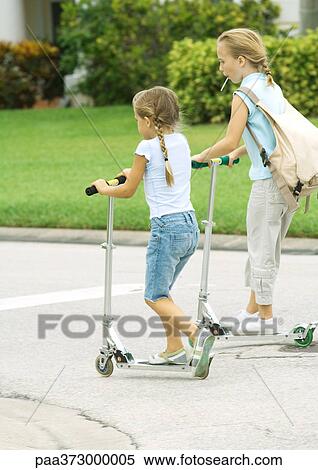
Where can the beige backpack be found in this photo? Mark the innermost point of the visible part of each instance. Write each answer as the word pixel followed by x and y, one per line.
pixel 294 162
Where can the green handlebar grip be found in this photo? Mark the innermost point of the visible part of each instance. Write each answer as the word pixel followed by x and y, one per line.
pixel 217 161
pixel 197 165
pixel 225 160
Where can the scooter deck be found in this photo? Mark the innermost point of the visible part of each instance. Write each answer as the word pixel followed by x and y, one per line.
pixel 274 337
pixel 143 364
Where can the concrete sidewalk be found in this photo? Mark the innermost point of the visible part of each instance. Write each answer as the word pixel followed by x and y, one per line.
pixel 137 238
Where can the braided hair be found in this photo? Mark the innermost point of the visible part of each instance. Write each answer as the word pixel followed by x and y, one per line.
pixel 161 105
pixel 168 170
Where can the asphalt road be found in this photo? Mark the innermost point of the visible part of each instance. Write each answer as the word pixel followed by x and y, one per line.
pixel 256 396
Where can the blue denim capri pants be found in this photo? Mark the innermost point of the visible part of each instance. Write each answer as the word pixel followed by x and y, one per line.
pixel 173 239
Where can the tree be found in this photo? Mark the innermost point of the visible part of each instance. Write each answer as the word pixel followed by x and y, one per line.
pixel 124 44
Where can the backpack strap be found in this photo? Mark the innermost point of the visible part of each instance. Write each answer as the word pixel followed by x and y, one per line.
pixel 248 92
pixel 284 190
pixel 277 177
pixel 262 151
pixel 257 142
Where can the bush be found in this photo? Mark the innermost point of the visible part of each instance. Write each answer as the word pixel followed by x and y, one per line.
pixel 193 73
pixel 124 44
pixel 26 74
pixel 295 70
pixel 17 90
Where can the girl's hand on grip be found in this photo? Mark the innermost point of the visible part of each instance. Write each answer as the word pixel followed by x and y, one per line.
pixel 101 186
pixel 198 158
pixel 232 157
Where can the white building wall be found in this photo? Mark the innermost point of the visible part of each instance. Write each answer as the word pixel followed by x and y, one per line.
pixel 16 14
pixel 289 11
pixel 12 20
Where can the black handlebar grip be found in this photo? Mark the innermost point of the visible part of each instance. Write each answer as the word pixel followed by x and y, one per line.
pixel 91 190
pixel 119 179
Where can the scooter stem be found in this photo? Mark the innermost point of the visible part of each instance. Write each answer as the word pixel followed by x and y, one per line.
pixel 108 260
pixel 203 295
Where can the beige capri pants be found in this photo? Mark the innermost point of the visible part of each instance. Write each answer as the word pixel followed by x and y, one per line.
pixel 267 222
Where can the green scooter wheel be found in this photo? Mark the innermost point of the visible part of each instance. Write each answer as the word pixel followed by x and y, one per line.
pixel 207 370
pixel 303 343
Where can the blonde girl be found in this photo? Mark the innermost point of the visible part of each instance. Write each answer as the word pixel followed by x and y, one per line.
pixel 163 159
pixel 243 59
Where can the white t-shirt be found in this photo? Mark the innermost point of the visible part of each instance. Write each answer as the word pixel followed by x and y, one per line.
pixel 161 198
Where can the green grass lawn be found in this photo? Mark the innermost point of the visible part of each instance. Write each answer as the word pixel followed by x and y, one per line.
pixel 48 157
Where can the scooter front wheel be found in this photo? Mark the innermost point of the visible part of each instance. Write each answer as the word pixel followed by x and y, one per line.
pixel 305 342
pixel 105 368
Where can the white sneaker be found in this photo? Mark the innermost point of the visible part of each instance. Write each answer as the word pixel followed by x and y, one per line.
pixel 177 357
pixel 235 321
pixel 256 326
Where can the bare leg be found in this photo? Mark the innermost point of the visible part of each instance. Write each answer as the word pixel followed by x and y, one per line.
pixel 265 311
pixel 252 306
pixel 174 321
pixel 192 330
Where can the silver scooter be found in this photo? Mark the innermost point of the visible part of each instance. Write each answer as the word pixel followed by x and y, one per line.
pixel 114 351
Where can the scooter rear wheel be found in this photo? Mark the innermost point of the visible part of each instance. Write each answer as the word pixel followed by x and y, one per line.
pixel 105 370
pixel 303 343
pixel 207 370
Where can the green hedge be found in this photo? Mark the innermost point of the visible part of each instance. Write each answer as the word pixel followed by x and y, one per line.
pixel 124 44
pixel 193 72
pixel 26 74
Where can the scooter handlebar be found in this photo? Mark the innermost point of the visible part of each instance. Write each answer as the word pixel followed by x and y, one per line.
pixel 119 179
pixel 215 161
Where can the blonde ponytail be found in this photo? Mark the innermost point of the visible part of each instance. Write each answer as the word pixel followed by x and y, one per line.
pixel 168 170
pixel 268 73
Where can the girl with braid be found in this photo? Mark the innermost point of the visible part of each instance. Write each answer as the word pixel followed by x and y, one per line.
pixel 163 159
pixel 243 60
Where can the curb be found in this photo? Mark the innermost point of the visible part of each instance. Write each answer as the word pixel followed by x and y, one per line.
pixel 137 238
